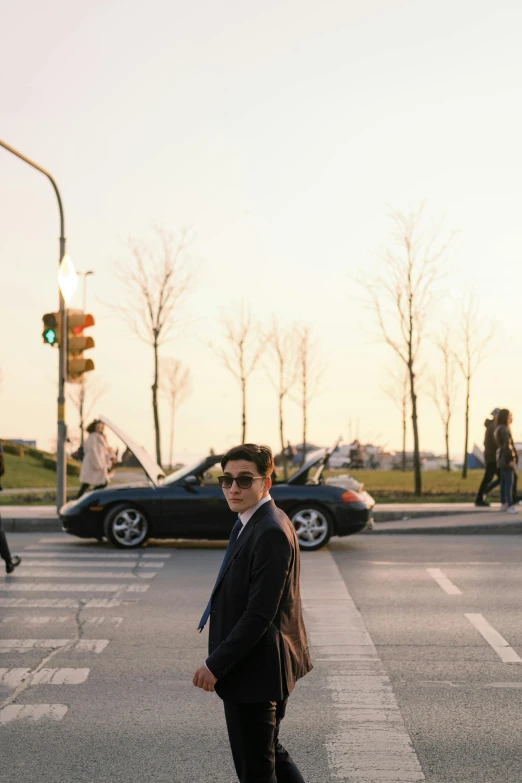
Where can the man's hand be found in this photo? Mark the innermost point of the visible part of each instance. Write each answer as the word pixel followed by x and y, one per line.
pixel 204 679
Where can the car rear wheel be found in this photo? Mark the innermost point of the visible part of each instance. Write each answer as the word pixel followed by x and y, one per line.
pixel 313 527
pixel 126 526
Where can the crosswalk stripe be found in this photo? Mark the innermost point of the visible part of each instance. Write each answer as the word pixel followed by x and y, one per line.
pixel 32 712
pixel 13 677
pixel 71 587
pixel 23 645
pixel 41 551
pixel 86 564
pixel 53 573
pixel 64 676
pixel 21 619
pixel 62 603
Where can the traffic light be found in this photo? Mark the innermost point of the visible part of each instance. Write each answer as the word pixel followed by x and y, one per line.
pixel 77 343
pixel 51 332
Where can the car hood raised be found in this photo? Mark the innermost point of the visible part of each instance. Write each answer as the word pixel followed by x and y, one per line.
pixel 151 468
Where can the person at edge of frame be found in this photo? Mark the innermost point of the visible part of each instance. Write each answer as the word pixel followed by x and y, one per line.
pixel 10 561
pixel 491 478
pixel 258 647
pixel 506 459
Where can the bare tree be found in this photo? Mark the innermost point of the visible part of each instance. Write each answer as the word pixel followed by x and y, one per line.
pixel 310 370
pixel 443 387
pixel 475 337
pixel 176 386
pixel 398 391
pixel 244 346
pixel 156 283
pixel 84 397
pixel 401 299
pixel 282 343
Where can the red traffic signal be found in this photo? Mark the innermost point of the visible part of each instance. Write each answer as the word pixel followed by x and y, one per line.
pixel 77 343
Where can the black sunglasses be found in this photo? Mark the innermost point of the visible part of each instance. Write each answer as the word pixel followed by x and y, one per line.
pixel 243 482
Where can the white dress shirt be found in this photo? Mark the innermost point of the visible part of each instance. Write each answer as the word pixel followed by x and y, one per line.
pixel 249 513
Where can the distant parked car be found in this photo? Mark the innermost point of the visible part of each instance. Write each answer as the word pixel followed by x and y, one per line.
pixel 189 504
pixel 340 458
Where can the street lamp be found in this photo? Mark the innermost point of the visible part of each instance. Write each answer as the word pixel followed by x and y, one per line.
pixel 61 473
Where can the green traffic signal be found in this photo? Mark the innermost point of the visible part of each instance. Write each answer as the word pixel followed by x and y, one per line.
pixel 50 336
pixel 51 332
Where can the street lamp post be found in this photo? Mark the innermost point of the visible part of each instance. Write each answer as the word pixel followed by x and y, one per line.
pixel 61 472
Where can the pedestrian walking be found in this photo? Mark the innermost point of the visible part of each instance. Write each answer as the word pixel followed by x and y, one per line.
pixel 257 639
pixel 490 459
pixel 94 471
pixel 11 561
pixel 506 459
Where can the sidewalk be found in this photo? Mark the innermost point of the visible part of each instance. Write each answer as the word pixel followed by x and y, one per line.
pixel 388 518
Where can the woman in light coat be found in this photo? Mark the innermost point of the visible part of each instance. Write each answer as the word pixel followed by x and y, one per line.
pixel 94 471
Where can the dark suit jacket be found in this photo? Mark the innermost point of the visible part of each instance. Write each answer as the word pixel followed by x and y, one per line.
pixel 257 639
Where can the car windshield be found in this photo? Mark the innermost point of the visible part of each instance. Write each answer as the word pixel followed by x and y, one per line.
pixel 187 470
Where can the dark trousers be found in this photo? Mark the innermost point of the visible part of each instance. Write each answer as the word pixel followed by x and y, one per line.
pixel 253 731
pixel 5 554
pixel 506 486
pixel 85 487
pixel 488 484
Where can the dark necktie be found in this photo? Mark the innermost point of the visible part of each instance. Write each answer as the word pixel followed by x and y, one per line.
pixel 233 538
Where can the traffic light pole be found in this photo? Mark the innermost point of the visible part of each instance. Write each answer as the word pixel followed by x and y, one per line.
pixel 61 465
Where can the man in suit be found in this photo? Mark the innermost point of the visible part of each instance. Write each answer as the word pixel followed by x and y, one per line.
pixel 257 639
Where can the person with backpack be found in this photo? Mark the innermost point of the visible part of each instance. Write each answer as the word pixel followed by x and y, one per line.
pixel 506 459
pixel 10 561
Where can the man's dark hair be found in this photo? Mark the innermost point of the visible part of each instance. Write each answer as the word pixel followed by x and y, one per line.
pixel 261 456
pixel 92 426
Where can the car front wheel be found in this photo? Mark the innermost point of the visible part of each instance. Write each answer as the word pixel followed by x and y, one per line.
pixel 313 527
pixel 126 526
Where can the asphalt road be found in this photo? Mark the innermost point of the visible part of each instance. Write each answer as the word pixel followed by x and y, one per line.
pixel 98 648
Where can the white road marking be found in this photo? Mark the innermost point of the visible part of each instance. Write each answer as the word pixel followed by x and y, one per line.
pixel 23 645
pixel 116 621
pixel 42 551
pixel 13 677
pixel 23 619
pixel 62 603
pixel 502 648
pixel 65 676
pixel 443 581
pixel 54 573
pixel 91 645
pixel 32 712
pixel 85 564
pixel 370 743
pixel 73 587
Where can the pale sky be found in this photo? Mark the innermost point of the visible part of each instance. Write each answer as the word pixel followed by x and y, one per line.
pixel 280 132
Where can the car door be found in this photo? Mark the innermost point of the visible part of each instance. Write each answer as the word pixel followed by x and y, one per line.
pixel 191 510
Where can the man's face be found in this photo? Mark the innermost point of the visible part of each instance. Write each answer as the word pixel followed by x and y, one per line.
pixel 239 499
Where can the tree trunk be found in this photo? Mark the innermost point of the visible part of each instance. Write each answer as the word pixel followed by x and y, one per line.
pixel 243 414
pixel 281 436
pixel 155 405
pixel 466 430
pixel 404 425
pixel 416 449
pixel 171 445
pixel 446 433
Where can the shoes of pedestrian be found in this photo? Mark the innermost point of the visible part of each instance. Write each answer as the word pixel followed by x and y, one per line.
pixel 15 561
pixel 504 507
pixel 512 510
pixel 482 503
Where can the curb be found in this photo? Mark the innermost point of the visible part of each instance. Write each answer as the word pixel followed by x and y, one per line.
pixel 500 528
pixel 31 525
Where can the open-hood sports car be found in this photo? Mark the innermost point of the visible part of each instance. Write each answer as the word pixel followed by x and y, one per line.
pixel 190 504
